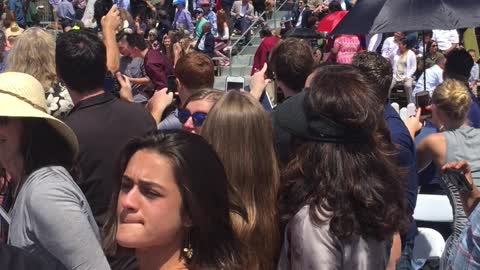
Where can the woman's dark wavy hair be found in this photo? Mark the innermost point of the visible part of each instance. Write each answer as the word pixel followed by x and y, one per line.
pixel 356 185
pixel 202 182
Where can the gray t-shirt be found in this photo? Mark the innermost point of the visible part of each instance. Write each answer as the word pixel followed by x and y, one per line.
pixel 51 218
pixel 134 68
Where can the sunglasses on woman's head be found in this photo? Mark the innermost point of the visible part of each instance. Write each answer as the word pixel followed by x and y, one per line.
pixel 198 118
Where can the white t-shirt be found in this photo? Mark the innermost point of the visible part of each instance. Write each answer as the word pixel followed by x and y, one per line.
pixel 445 38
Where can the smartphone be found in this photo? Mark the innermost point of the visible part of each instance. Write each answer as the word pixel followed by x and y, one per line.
pixel 172 84
pixel 269 72
pixel 423 100
pixel 459 180
pixel 234 83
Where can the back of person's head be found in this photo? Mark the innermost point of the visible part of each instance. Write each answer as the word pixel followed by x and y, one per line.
pixel 265 32
pixel 25 57
pixel 100 9
pixel 458 66
pixel 453 99
pixel 292 61
pixel 210 95
pixel 378 70
pixel 241 132
pixel 344 165
pixel 81 60
pixel 195 71
pixel 334 6
pixel 204 212
pixel 137 41
pixel 207 27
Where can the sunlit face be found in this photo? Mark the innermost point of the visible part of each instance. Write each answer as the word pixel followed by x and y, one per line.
pixel 434 48
pixel 202 106
pixel 149 204
pixel 317 56
pixel 10 146
pixel 123 48
pixel 167 42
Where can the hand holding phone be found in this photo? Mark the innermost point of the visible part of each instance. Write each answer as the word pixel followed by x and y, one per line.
pixel 459 174
pixel 423 101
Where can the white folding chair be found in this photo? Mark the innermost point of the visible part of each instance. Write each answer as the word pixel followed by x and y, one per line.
pixel 428 244
pixel 435 208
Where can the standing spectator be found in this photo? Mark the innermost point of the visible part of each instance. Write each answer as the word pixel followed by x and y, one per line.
pixel 210 16
pixel 50 217
pixel 242 15
pixel 269 41
pixel 18 9
pixel 345 47
pixel 24 57
pixel 339 214
pixel 162 210
pixel 433 79
pixel 390 45
pixel 474 74
pixel 206 42
pixel 157 66
pixel 301 15
pixel 404 67
pixel 82 52
pixel 447 40
pixel 240 131
pixel 183 18
pixel 66 14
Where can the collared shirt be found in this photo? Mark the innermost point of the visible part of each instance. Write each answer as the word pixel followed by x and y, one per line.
pixel 389 48
pixel 103 125
pixel 434 77
pixel 183 19
pixel 467 253
pixel 445 38
pixel 65 10
pixel 158 68
pixel 212 19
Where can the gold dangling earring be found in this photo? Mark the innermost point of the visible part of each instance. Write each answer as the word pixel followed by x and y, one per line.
pixel 188 250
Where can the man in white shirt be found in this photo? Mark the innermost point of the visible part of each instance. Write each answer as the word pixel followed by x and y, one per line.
pixel 404 67
pixel 390 45
pixel 447 40
pixel 373 41
pixel 474 74
pixel 434 77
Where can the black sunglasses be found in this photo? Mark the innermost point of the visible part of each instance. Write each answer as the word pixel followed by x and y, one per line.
pixel 198 118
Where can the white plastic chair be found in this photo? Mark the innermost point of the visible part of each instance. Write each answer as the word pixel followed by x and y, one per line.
pixel 435 208
pixel 428 244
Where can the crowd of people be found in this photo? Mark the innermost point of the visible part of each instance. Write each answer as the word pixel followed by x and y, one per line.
pixel 116 151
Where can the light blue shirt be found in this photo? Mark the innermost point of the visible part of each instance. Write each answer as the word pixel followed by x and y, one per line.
pixel 473 74
pixel 434 78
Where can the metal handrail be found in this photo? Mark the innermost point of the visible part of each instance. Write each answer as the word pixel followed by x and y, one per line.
pixel 275 9
pixel 240 38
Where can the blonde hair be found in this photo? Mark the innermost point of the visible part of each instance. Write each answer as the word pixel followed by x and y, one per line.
pixel 211 95
pixel 241 132
pixel 452 97
pixel 34 54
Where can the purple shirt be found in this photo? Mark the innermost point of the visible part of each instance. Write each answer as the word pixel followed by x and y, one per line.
pixel 183 18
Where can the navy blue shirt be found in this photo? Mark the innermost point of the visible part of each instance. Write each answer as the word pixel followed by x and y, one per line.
pixel 406 158
pixel 474 113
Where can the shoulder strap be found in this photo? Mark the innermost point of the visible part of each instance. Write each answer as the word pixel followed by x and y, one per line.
pixel 4 215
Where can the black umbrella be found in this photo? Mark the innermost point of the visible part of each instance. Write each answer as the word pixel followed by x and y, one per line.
pixel 304 33
pixel 384 16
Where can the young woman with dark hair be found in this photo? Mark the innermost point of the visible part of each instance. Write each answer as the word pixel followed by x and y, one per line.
pixel 173 207
pixel 341 199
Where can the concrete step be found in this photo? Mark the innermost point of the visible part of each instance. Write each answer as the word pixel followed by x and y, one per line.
pixel 252 49
pixel 243 60
pixel 221 80
pixel 236 70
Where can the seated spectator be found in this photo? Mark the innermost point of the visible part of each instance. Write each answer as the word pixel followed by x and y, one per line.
pixel 162 210
pixel 331 123
pixel 434 77
pixel 345 47
pixel 432 56
pixel 223 37
pixel 301 15
pixel 25 58
pixel 459 66
pixel 66 14
pixel 466 253
pixel 242 15
pixel 50 217
pixel 240 131
pixel 474 74
pixel 390 45
pixel 196 109
pixel 153 39
pixel 404 67
pixel 456 141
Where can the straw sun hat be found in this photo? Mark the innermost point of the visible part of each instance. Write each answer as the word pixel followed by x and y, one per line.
pixel 21 95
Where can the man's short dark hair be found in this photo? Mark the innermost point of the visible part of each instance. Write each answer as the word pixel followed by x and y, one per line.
pixel 292 61
pixel 81 60
pixel 377 69
pixel 195 71
pixel 137 41
pixel 458 66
